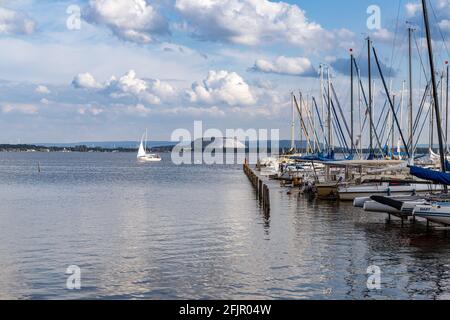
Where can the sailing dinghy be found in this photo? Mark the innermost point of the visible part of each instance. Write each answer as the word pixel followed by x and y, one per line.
pixel 142 154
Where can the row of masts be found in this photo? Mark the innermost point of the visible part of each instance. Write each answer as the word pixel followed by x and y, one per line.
pixel 332 123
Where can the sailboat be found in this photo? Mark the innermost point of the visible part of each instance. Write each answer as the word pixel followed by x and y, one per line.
pixel 142 154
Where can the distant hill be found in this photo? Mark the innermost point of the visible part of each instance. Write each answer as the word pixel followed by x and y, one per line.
pixel 110 144
pixel 284 144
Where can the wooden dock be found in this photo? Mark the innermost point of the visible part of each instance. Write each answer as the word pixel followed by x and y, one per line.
pixel 262 190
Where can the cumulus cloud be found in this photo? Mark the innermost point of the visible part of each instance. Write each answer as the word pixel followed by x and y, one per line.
pixel 129 85
pixel 131 20
pixel 252 22
pixel 149 91
pixel 382 35
pixel 342 65
pixel 19 108
pixel 445 25
pixel 413 8
pixel 14 23
pixel 295 66
pixel 91 110
pixel 42 89
pixel 222 87
pixel 86 81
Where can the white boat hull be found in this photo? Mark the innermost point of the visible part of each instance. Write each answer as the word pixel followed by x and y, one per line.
pixel 351 193
pixel 360 201
pixel 149 159
pixel 435 213
pixel 373 206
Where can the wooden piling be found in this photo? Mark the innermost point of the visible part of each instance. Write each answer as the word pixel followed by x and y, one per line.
pixel 262 191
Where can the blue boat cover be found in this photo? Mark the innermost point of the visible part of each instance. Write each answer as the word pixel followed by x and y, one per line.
pixel 426 174
pixel 447 165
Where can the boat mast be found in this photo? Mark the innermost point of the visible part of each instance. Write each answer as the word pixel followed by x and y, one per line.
pixel 292 123
pixel 351 103
pixel 410 122
pixel 322 104
pixel 330 133
pixel 145 148
pixel 393 129
pixel 446 110
pixel 442 102
pixel 369 45
pixel 433 81
pixel 402 99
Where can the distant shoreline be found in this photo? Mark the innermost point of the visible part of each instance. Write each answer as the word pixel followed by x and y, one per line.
pixel 80 148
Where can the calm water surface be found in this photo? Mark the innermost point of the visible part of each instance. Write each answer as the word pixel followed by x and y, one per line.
pixel 159 231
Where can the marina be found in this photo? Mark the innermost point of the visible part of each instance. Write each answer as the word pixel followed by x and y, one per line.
pixel 225 150
pixel 377 179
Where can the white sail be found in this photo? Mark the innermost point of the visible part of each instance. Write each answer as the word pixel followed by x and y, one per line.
pixel 141 152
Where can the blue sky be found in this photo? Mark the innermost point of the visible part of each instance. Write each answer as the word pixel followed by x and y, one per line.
pixel 162 64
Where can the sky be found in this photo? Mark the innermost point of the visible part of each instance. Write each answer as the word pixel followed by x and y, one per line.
pixel 105 70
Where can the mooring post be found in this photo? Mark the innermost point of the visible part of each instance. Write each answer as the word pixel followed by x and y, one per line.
pixel 268 198
pixel 260 190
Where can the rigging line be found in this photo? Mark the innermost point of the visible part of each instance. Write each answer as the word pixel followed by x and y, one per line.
pixel 425 121
pixel 303 123
pixel 308 116
pixel 340 109
pixel 367 107
pixel 439 28
pixel 421 106
pixel 383 127
pixel 391 130
pixel 390 101
pixel 338 130
pixel 395 38
pixel 420 58
pixel 381 115
pixel 320 120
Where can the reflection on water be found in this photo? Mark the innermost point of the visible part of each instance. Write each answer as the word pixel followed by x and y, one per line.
pixel 159 231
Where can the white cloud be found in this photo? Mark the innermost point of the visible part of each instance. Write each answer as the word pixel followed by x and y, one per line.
pixel 222 87
pixel 134 110
pixel 42 90
pixel 129 85
pixel 413 8
pixel 443 5
pixel 19 108
pixel 296 66
pixel 13 22
pixel 383 35
pixel 148 91
pixel 214 111
pixel 445 25
pixel 131 20
pixel 86 81
pixel 252 22
pixel 92 110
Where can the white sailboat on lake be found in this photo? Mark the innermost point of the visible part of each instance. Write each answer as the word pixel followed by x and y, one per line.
pixel 142 154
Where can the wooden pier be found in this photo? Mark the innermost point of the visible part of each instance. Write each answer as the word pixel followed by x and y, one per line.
pixel 262 190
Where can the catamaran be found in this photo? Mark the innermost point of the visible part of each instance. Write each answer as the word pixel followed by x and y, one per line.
pixel 142 154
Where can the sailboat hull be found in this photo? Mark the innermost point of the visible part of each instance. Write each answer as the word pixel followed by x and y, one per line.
pixel 148 159
pixel 436 213
pixel 351 193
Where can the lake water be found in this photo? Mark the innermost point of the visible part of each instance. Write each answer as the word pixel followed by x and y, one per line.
pixel 159 231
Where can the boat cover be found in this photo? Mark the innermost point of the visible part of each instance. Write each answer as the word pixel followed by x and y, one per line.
pixel 426 174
